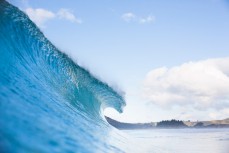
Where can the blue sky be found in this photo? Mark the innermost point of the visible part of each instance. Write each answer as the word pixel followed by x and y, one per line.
pixel 125 42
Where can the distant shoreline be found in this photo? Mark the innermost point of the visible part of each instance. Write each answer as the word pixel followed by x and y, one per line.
pixel 170 124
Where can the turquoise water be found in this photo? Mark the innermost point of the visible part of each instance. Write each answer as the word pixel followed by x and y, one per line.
pixel 48 103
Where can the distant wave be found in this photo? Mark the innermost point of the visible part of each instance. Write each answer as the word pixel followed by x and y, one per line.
pixel 48 103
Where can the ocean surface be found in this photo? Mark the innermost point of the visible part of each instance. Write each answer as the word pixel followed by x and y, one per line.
pixel 181 140
pixel 49 104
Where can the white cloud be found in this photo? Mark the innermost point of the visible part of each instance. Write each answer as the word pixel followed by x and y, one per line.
pixel 184 116
pixel 201 85
pixel 40 16
pixel 132 17
pixel 148 19
pixel 68 15
pixel 222 114
pixel 128 17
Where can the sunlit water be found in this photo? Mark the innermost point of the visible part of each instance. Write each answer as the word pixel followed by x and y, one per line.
pixel 182 140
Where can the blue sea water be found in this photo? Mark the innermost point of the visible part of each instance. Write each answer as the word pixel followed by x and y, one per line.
pixel 182 140
pixel 48 103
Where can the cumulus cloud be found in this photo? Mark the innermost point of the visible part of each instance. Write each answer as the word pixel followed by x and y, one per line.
pixel 200 85
pixel 224 113
pixel 148 19
pixel 40 16
pixel 68 15
pixel 128 17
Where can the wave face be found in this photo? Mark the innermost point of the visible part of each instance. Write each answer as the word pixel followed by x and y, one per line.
pixel 47 102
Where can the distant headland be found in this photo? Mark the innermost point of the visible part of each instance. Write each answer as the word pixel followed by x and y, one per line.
pixel 175 124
